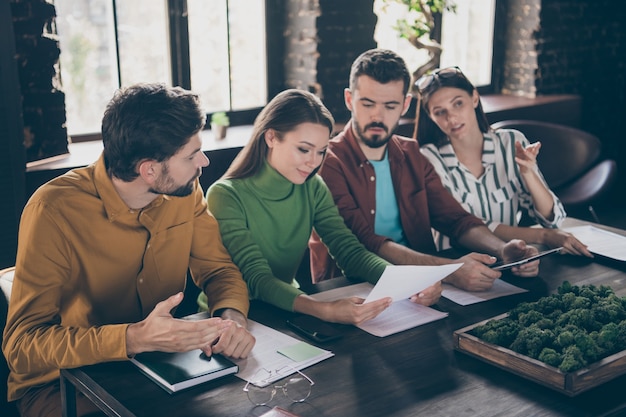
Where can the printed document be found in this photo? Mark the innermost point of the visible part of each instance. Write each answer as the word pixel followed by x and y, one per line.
pixel 402 281
pixel 400 316
pixel 278 353
pixel 600 241
pixel 499 289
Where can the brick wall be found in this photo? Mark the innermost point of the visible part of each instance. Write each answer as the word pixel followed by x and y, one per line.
pixel 581 49
pixel 37 51
pixel 12 155
pixel 520 56
pixel 301 52
pixel 345 29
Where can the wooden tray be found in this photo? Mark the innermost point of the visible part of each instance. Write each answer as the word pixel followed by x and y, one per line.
pixel 571 383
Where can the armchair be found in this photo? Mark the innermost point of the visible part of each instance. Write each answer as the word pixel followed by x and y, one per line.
pixel 571 161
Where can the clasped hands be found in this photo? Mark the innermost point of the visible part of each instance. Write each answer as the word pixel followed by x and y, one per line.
pixel 160 331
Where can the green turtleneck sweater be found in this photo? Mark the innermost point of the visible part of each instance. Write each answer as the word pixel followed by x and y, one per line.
pixel 266 221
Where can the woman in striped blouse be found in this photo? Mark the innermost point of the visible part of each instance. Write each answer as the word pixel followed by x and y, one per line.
pixel 493 174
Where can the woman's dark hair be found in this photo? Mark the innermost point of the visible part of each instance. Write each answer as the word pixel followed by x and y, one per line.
pixel 147 121
pixel 427 131
pixel 284 113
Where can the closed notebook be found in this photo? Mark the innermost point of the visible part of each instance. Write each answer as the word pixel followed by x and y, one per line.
pixel 177 371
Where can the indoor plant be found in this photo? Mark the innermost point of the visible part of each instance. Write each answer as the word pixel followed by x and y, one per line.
pixel 417 27
pixel 219 124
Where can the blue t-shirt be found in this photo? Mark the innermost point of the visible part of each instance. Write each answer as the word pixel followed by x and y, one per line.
pixel 387 220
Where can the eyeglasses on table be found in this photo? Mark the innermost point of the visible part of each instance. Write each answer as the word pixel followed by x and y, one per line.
pixel 297 388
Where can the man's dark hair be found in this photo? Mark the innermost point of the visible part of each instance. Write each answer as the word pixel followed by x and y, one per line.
pixel 382 65
pixel 147 121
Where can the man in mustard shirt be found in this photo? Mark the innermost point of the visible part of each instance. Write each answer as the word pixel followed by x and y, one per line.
pixel 104 250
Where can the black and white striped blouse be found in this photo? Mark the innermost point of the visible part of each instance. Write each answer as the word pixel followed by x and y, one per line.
pixel 499 196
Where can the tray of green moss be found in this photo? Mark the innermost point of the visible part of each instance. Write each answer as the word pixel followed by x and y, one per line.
pixel 570 341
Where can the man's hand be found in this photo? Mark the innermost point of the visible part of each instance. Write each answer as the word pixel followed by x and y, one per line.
pixel 475 273
pixel 518 249
pixel 160 331
pixel 235 340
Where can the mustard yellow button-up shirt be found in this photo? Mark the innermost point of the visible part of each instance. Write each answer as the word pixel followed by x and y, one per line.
pixel 87 266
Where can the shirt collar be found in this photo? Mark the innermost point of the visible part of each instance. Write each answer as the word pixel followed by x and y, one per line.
pixel 489 150
pixel 270 184
pixel 353 143
pixel 113 204
pixel 488 156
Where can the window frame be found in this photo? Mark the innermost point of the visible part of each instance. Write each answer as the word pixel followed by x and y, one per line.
pixel 180 63
pixel 180 58
pixel 498 47
pixel 275 47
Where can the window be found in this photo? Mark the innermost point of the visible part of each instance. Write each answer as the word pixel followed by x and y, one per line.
pixel 466 38
pixel 214 47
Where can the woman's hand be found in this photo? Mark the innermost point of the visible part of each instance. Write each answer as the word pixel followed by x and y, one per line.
pixel 349 310
pixel 526 158
pixel 555 238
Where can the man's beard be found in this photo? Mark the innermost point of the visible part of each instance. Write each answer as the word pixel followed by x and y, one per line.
pixel 375 141
pixel 165 185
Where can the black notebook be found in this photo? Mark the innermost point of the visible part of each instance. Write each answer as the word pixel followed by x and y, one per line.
pixel 177 371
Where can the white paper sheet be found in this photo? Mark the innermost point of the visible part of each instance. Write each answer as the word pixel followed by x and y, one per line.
pixel 600 241
pixel 499 289
pixel 265 354
pixel 402 281
pixel 400 316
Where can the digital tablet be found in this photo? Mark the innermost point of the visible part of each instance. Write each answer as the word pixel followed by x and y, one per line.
pixel 499 266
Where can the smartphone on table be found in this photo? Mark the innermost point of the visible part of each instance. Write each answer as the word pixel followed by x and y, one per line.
pixel 314 328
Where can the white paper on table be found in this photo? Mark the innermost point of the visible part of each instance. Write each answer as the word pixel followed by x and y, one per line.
pixel 400 316
pixel 600 241
pixel 402 281
pixel 499 289
pixel 264 355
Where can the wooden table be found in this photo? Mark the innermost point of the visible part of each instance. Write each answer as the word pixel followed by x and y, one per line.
pixel 416 372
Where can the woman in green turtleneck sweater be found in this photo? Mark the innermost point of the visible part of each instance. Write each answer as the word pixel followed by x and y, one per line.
pixel 270 200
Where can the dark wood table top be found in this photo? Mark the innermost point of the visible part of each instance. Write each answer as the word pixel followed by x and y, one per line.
pixel 415 372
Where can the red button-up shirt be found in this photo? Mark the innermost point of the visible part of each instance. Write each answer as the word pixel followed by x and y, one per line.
pixel 422 200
